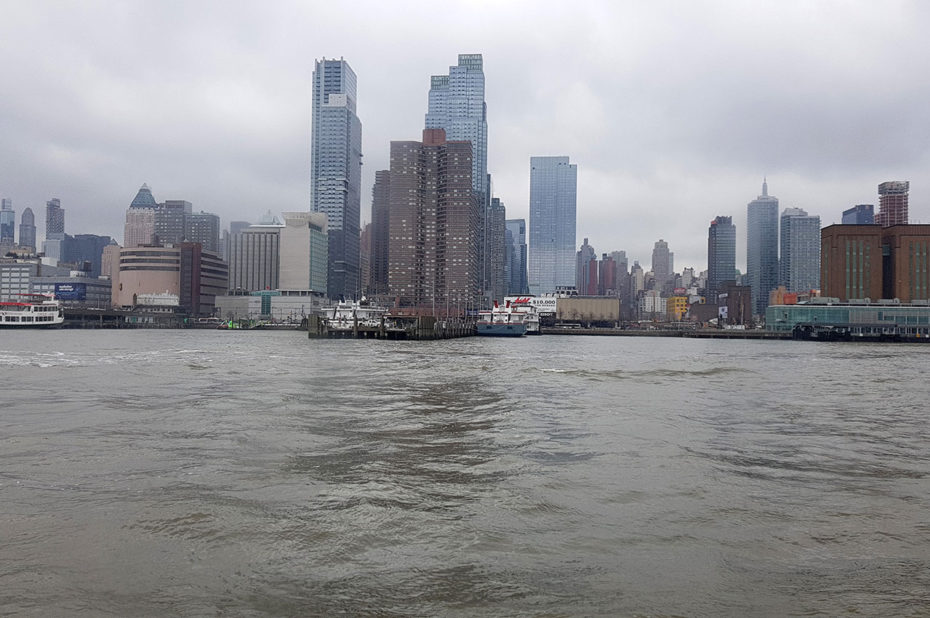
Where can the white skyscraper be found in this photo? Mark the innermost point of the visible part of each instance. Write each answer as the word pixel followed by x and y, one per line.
pixel 336 171
pixel 799 267
pixel 553 193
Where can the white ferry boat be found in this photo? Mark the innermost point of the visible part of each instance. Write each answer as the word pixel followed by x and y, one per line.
pixel 525 304
pixel 505 321
pixel 31 311
pixel 346 316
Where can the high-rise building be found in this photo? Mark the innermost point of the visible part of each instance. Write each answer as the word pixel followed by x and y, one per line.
pixel 553 195
pixel 54 220
pixel 7 225
pixel 762 248
pixel 84 250
pixel 721 255
pixel 516 257
pixel 860 214
pixel 27 230
pixel 892 204
pixel 663 265
pixel 172 222
pixel 336 171
pixel 495 250
pixel 380 224
pixel 140 219
pixel 253 257
pixel 304 255
pixel 457 105
pixel 607 276
pixel 205 229
pixel 799 266
pixel 434 221
pixel 586 270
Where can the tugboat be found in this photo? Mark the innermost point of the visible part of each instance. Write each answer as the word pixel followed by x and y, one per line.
pixel 506 321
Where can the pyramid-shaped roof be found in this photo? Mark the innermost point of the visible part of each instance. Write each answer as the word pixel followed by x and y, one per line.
pixel 144 198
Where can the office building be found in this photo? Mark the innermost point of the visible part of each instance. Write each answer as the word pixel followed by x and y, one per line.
pixel 7 225
pixel 380 223
pixel 336 168
pixel 553 201
pixel 172 222
pixel 205 229
pixel 516 257
pixel 434 221
pixel 860 214
pixel 84 252
pixel 663 266
pixel 54 220
pixel 762 248
pixel 607 276
pixel 184 271
pixel 892 204
pixel 586 270
pixel 721 255
pixel 304 252
pixel 27 230
pixel 799 265
pixel 253 255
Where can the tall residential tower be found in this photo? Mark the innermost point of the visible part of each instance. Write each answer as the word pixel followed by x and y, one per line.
pixel 336 171
pixel 721 255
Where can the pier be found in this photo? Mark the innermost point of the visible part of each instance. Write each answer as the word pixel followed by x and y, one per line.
pixel 396 327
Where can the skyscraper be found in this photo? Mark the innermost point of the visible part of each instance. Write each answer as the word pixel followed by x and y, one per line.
pixel 205 229
pixel 54 220
pixel 380 207
pixel 662 265
pixel 495 238
pixel 762 248
pixel 433 224
pixel 516 257
pixel 336 171
pixel 172 221
pixel 553 194
pixel 860 214
pixel 140 219
pixel 721 255
pixel 586 270
pixel 799 267
pixel 7 223
pixel 27 230
pixel 892 205
pixel 457 105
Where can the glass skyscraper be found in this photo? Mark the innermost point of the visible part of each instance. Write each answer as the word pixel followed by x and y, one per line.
pixel 721 255
pixel 553 195
pixel 762 248
pixel 799 268
pixel 336 171
pixel 7 222
pixel 456 104
pixel 516 257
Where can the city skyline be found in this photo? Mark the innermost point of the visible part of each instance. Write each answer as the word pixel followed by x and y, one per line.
pixel 223 120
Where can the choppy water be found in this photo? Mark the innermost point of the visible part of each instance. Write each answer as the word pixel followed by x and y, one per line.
pixel 250 473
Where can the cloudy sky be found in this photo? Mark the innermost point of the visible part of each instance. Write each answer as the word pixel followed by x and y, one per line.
pixel 673 111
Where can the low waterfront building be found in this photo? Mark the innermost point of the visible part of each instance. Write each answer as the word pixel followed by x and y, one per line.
pixel 856 319
pixel 74 290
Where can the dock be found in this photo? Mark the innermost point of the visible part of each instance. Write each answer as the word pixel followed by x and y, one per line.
pixel 396 327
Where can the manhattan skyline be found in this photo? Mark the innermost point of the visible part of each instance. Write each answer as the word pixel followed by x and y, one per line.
pixel 668 131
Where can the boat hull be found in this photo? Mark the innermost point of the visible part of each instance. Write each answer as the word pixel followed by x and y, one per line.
pixel 501 330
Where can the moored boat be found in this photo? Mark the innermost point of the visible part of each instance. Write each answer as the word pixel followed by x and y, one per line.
pixel 31 311
pixel 525 305
pixel 349 316
pixel 500 321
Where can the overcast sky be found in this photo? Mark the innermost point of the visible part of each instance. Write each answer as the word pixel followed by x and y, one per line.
pixel 673 111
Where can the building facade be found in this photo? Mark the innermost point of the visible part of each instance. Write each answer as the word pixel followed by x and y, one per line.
pixel 253 255
pixel 516 257
pixel 336 171
pixel 434 225
pixel 54 220
pixel 860 214
pixel 851 261
pixel 799 265
pixel 7 225
pixel 585 273
pixel 721 255
pixel 663 265
pixel 304 252
pixel 495 239
pixel 553 202
pixel 205 229
pixel 27 230
pixel 762 248
pixel 380 222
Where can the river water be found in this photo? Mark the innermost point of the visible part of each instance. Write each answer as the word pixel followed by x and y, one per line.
pixel 156 472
